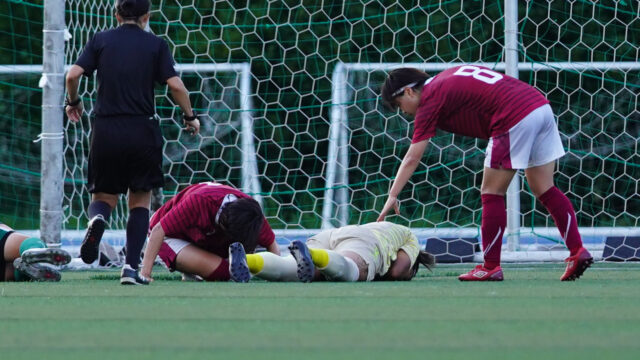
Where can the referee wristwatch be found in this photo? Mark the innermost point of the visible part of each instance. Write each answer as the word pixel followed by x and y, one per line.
pixel 75 102
pixel 190 118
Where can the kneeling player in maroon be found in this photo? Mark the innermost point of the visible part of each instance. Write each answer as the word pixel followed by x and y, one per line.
pixel 519 124
pixel 192 232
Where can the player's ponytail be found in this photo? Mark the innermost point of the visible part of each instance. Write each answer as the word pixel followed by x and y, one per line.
pixel 397 80
pixel 426 259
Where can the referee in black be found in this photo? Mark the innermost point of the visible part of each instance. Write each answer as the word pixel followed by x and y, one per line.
pixel 126 142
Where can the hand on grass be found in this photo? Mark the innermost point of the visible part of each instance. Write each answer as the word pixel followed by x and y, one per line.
pixel 146 273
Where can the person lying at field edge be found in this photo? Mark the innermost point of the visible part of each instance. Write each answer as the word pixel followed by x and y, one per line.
pixel 25 258
pixel 519 124
pixel 374 251
pixel 192 232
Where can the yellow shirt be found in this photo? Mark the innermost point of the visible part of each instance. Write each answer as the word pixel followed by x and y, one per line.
pixel 391 238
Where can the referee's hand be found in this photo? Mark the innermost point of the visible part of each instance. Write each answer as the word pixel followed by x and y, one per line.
pixel 191 123
pixel 74 112
pixel 192 127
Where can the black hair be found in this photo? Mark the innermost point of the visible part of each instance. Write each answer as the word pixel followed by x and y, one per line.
pixel 426 259
pixel 132 9
pixel 241 221
pixel 398 79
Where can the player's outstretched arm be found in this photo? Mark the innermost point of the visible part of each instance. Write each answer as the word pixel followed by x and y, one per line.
pixel 153 248
pixel 181 96
pixel 409 164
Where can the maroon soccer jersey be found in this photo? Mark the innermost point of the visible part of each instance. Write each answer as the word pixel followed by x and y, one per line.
pixel 473 101
pixel 191 215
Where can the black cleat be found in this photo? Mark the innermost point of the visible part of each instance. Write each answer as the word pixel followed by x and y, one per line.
pixel 90 247
pixel 51 256
pixel 131 276
pixel 238 267
pixel 300 252
pixel 36 272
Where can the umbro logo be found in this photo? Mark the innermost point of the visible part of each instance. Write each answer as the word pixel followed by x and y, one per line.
pixel 480 274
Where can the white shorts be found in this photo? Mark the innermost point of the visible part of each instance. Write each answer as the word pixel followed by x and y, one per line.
pixel 170 249
pixel 534 141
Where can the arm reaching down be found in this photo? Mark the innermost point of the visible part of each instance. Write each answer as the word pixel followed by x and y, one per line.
pixel 153 248
pixel 407 168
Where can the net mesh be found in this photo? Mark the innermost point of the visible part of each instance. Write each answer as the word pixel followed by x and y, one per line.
pixel 292 50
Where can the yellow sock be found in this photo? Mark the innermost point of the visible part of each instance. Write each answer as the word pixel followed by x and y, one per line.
pixel 255 262
pixel 320 257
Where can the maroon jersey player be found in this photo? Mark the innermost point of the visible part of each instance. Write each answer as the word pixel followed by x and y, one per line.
pixel 519 124
pixel 192 232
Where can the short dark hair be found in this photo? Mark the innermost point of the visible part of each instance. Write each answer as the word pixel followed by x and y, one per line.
pixel 132 9
pixel 241 221
pixel 398 79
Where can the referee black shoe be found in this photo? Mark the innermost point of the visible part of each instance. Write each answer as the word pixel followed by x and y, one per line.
pixel 238 267
pixel 89 249
pixel 131 276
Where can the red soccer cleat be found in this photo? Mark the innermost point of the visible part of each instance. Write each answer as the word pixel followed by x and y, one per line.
pixel 576 265
pixel 479 273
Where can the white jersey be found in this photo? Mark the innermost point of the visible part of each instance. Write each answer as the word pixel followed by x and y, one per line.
pixel 377 243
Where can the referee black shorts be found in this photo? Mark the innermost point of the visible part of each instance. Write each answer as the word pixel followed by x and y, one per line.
pixel 125 154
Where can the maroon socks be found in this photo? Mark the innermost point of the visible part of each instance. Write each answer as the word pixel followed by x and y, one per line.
pixel 564 216
pixel 221 273
pixel 494 221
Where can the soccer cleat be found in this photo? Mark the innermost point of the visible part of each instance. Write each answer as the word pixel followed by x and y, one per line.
pixel 36 272
pixel 238 267
pixel 300 252
pixel 131 276
pixel 479 273
pixel 89 249
pixel 51 256
pixel 576 265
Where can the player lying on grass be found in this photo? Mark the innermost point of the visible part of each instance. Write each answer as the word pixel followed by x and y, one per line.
pixel 519 124
pixel 192 232
pixel 26 258
pixel 375 251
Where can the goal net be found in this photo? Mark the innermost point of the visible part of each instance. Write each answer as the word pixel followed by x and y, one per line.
pixel 298 122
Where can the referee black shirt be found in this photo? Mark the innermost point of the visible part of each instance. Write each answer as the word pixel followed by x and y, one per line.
pixel 129 61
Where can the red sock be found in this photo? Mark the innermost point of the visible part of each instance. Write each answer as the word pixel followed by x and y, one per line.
pixel 221 273
pixel 564 216
pixel 494 221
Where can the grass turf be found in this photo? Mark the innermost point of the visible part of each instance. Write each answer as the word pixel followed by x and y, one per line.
pixel 531 315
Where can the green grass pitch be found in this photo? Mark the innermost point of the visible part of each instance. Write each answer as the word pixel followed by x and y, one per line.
pixel 531 315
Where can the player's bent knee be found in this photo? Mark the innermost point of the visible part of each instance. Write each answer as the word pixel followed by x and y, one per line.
pixel 363 267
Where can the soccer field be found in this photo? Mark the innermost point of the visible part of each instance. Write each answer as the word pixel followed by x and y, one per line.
pixel 530 315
